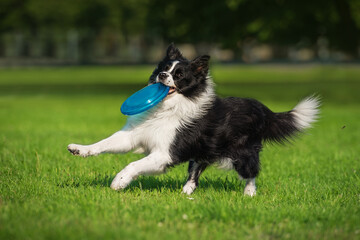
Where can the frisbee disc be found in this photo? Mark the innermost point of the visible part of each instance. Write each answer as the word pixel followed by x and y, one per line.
pixel 144 99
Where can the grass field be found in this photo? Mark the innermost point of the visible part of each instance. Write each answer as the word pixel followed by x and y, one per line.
pixel 307 190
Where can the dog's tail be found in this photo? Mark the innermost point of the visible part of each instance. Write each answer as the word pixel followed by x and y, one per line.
pixel 283 126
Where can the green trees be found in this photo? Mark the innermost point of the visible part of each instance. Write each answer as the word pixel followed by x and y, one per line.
pixel 226 23
pixel 272 21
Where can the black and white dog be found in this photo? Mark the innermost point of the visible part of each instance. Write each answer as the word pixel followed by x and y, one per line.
pixel 193 124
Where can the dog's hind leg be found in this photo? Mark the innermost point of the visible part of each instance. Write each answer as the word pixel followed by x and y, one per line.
pixel 154 163
pixel 250 187
pixel 119 142
pixel 248 166
pixel 195 170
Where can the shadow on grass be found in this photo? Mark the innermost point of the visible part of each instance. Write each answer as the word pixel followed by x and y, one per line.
pixel 150 183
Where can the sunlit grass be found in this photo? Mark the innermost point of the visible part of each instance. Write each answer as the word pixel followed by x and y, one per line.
pixel 309 189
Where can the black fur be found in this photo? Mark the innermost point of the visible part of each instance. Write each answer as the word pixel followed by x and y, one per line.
pixel 233 128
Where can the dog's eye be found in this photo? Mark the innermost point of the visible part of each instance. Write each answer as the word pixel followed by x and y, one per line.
pixel 179 74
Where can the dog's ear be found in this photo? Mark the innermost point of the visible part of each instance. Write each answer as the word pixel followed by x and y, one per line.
pixel 200 64
pixel 173 53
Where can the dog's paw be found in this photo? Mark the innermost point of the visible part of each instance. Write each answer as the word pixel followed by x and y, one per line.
pixel 79 150
pixel 189 187
pixel 250 191
pixel 121 181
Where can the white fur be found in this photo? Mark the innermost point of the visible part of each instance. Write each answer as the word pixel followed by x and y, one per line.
pixel 306 112
pixel 172 66
pixel 225 163
pixel 152 131
pixel 189 187
pixel 169 81
pixel 250 187
pixel 152 164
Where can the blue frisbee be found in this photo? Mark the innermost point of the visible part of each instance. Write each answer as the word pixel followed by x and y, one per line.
pixel 144 99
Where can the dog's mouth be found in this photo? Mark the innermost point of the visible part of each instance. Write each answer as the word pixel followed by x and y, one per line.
pixel 171 91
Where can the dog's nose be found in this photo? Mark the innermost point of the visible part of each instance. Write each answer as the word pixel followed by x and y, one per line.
pixel 162 76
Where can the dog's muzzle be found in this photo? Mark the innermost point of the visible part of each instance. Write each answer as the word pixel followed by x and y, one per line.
pixel 162 76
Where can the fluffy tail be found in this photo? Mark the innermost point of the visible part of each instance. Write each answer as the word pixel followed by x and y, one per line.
pixel 283 126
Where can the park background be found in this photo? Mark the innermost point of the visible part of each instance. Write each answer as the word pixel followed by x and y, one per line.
pixel 66 67
pixel 128 31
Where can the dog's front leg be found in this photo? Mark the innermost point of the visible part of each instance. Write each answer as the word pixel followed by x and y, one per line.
pixel 119 142
pixel 154 163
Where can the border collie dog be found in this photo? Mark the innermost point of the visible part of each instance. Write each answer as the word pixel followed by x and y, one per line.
pixel 193 124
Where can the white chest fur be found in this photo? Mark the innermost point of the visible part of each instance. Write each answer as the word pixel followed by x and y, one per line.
pixel 154 132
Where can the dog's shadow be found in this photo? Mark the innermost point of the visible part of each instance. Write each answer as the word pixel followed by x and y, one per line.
pixel 150 183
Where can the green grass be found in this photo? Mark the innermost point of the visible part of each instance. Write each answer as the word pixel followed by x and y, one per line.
pixel 307 190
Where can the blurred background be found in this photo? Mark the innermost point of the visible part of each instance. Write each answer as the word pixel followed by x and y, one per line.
pixel 73 32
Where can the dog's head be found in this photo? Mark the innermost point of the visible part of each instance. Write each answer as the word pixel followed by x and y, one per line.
pixel 181 75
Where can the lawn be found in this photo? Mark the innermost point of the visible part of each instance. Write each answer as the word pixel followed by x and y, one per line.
pixel 306 190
